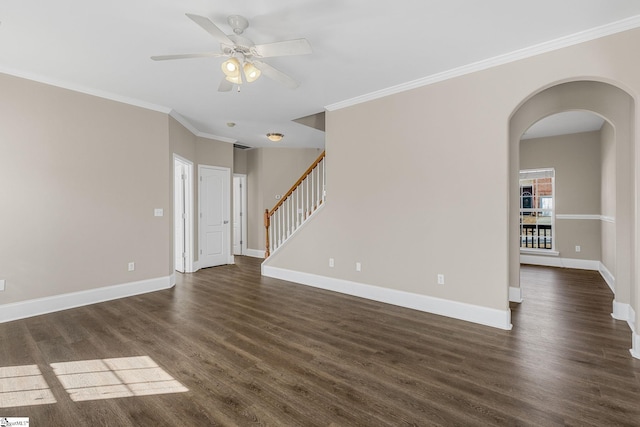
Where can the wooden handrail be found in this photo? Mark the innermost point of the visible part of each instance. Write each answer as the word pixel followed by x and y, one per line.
pixel 293 188
pixel 280 222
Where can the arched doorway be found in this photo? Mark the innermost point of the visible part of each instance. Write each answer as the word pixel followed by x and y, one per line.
pixel 617 108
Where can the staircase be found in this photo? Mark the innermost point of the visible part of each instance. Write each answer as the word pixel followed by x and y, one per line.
pixel 295 207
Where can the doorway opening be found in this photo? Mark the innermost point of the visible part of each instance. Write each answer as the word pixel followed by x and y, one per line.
pixel 182 214
pixel 239 214
pixel 594 228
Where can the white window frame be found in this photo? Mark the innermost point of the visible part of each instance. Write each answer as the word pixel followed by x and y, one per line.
pixel 530 174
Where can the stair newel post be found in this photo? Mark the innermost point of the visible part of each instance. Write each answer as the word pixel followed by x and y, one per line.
pixel 266 232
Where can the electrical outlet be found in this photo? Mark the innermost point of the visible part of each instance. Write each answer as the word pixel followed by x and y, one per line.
pixel 440 279
pixel 331 262
pixel 577 248
pixel 132 266
pixel 358 266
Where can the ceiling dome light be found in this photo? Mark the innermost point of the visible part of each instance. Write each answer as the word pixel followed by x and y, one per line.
pixel 275 137
pixel 231 67
pixel 251 73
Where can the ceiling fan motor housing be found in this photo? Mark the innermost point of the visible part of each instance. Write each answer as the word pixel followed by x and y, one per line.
pixel 238 23
pixel 241 44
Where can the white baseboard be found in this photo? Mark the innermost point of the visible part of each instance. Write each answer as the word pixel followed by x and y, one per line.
pixel 194 267
pixel 472 313
pixel 36 307
pixel 255 253
pixel 515 294
pixel 620 311
pixel 635 346
pixel 624 312
pixel 608 277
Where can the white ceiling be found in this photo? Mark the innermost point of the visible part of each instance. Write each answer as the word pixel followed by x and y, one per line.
pixel 359 47
pixel 564 123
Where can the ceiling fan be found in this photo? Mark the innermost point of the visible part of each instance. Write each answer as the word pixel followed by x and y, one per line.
pixel 244 57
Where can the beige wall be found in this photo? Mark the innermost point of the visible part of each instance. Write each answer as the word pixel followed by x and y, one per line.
pixel 255 205
pixel 239 161
pixel 214 153
pixel 81 177
pixel 577 163
pixel 400 173
pixel 181 141
pixel 608 197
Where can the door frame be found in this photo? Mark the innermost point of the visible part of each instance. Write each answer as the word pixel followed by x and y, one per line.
pixel 227 211
pixel 188 211
pixel 243 203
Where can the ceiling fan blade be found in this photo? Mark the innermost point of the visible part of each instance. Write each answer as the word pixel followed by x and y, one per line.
pixel 284 48
pixel 225 86
pixel 186 56
pixel 210 28
pixel 276 75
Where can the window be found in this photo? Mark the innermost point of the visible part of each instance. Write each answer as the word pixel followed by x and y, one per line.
pixel 537 216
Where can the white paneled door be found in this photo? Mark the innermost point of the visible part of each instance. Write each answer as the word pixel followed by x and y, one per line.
pixel 214 216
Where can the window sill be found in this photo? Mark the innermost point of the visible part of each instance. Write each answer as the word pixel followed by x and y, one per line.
pixel 547 252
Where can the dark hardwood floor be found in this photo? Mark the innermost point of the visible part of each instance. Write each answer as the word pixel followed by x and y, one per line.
pixel 259 351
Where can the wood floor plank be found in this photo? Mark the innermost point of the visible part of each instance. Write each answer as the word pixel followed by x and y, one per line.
pixel 260 351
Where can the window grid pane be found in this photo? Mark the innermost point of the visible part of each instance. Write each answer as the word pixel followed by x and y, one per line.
pixel 536 210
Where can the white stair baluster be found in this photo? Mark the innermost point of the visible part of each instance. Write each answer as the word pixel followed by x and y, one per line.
pixel 302 201
pixel 324 182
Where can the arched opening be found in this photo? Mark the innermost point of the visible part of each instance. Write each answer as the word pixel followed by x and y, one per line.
pixel 567 174
pixel 616 254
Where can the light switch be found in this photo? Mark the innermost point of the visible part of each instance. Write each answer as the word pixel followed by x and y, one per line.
pixel 158 212
pixel 2 285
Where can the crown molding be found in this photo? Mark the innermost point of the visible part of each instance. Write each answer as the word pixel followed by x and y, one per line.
pixel 216 137
pixel 562 42
pixel 114 97
pixel 85 90
pixel 184 122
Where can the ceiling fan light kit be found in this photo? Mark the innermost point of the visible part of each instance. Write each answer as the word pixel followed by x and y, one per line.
pixel 231 67
pixel 275 137
pixel 251 73
pixel 235 80
pixel 243 55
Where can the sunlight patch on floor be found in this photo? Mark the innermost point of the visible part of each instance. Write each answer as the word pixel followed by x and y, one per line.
pixel 112 378
pixel 23 386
